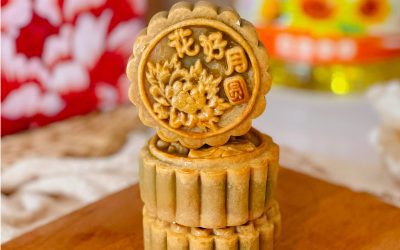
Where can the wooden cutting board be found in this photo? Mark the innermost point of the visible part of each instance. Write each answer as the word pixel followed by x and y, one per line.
pixel 316 215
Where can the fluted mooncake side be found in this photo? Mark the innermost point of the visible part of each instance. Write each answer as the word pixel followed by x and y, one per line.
pixel 229 186
pixel 256 234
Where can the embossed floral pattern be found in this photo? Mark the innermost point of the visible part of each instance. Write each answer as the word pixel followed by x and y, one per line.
pixel 190 96
pixel 186 97
pixel 197 78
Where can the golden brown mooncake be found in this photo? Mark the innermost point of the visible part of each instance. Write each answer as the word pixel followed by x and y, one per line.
pixel 259 233
pixel 210 187
pixel 198 74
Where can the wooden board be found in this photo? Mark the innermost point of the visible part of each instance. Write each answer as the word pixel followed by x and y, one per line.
pixel 316 215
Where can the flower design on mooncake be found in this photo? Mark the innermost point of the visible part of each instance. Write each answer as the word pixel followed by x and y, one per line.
pixel 185 97
pixel 198 75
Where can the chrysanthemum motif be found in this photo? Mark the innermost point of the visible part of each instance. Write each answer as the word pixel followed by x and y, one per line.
pixel 196 76
pixel 185 97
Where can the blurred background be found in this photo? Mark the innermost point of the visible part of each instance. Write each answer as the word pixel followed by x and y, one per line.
pixel 70 137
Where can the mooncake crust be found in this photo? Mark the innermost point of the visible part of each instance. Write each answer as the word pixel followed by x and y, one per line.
pixel 257 234
pixel 169 109
pixel 209 193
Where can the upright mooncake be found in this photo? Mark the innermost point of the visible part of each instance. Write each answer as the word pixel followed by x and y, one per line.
pixel 199 76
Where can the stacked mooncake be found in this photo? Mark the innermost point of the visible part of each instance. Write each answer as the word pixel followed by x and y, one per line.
pixel 199 76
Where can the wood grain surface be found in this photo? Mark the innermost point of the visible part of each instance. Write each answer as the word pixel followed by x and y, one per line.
pixel 316 215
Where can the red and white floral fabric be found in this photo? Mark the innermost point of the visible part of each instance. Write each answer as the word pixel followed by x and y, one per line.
pixel 61 58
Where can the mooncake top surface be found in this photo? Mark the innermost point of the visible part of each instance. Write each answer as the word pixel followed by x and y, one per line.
pixel 198 75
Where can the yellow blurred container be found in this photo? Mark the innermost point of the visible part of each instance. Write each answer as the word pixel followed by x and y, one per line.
pixel 341 46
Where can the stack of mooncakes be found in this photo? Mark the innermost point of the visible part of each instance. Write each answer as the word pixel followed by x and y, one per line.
pixel 199 76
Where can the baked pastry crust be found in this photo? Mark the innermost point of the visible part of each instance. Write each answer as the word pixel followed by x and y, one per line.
pixel 213 192
pixel 179 64
pixel 259 233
